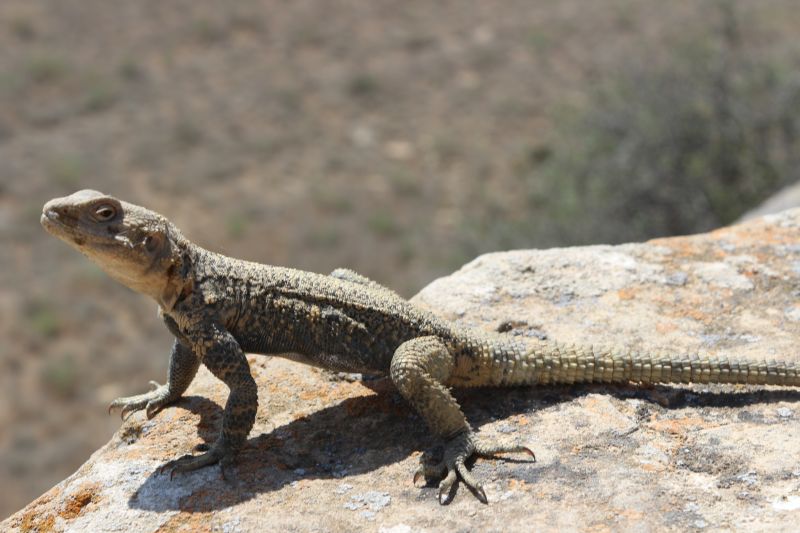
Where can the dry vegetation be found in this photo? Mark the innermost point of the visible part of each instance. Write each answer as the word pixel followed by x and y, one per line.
pixel 393 138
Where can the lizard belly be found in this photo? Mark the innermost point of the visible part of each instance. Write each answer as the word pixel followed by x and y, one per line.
pixel 329 361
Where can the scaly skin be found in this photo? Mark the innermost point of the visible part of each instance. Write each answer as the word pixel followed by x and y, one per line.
pixel 218 308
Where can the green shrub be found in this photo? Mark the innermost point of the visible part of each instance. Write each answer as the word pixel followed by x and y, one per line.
pixel 678 140
pixel 60 375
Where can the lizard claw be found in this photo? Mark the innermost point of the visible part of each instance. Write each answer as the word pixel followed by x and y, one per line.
pixel 529 452
pixel 457 451
pixel 218 453
pixel 168 466
pixel 127 410
pixel 419 474
pixel 153 407
pixel 151 402
pixel 446 487
pixel 481 494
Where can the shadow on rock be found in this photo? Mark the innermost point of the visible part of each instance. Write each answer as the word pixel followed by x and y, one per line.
pixel 678 397
pixel 364 433
pixel 354 436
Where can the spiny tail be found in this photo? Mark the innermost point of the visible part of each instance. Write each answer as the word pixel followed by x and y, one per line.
pixel 548 362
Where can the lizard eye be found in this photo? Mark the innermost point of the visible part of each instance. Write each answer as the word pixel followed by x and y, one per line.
pixel 105 212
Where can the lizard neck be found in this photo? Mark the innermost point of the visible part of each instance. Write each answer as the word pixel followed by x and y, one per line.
pixel 180 276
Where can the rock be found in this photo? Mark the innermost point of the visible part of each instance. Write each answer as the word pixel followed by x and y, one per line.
pixel 329 454
pixel 786 198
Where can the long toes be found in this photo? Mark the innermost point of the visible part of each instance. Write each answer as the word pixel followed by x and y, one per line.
pixel 129 409
pixel 171 464
pixel 458 450
pixel 491 449
pixel 528 451
pixel 187 463
pixel 129 405
pixel 119 402
pixel 469 480
pixel 152 409
pixel 446 487
pixel 154 385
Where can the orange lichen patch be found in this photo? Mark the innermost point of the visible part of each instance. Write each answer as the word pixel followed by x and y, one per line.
pixel 185 522
pixel 520 420
pixel 339 392
pixel 690 307
pixel 696 314
pixel 79 499
pixel 682 246
pixel 652 467
pixel 37 516
pixel 38 523
pixel 761 234
pixel 663 328
pixel 679 426
pixel 627 293
pixel 517 484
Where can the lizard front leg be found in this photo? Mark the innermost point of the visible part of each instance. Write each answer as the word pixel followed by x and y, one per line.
pixel 223 356
pixel 183 365
pixel 419 369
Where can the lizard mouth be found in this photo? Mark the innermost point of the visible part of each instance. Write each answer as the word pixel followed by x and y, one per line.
pixel 58 225
pixel 51 220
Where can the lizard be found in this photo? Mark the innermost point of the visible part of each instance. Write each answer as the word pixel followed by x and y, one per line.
pixel 219 308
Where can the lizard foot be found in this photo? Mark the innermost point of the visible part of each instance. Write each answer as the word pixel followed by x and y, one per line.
pixel 457 451
pixel 152 402
pixel 219 452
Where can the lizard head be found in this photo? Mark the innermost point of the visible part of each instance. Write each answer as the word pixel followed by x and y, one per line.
pixel 137 247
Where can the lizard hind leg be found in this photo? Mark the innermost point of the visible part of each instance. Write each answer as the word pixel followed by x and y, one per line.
pixel 419 369
pixel 458 450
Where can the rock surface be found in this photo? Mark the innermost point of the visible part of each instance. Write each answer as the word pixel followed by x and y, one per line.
pixel 329 454
pixel 786 198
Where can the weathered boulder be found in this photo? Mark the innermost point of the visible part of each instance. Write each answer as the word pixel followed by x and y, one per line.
pixel 786 198
pixel 330 454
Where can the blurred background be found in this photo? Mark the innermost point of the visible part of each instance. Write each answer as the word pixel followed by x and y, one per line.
pixel 400 139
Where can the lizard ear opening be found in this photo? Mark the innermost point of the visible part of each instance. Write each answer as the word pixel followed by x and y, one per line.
pixel 152 242
pixel 168 299
pixel 175 291
pixel 178 286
